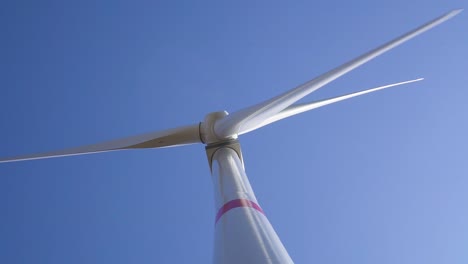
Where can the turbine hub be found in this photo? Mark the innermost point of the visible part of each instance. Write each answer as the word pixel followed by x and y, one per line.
pixel 207 133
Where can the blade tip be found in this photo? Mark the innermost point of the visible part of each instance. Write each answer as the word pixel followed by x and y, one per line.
pixel 455 12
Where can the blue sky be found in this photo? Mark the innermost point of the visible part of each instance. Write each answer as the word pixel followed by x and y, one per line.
pixel 377 179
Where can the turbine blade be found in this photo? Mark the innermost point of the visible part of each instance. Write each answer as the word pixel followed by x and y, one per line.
pixel 248 118
pixel 301 108
pixel 167 138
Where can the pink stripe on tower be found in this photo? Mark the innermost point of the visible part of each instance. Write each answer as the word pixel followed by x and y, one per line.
pixel 237 203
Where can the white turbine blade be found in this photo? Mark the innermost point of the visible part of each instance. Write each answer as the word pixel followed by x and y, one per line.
pixel 167 138
pixel 300 108
pixel 250 117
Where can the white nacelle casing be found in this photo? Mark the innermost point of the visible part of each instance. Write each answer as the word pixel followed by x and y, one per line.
pixel 207 133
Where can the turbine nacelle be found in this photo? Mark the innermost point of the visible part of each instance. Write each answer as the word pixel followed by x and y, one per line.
pixel 208 134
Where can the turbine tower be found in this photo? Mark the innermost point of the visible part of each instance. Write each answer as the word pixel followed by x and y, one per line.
pixel 243 233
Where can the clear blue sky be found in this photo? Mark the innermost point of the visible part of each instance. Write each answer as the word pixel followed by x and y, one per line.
pixel 378 179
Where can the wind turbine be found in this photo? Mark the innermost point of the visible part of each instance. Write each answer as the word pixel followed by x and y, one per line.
pixel 243 233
